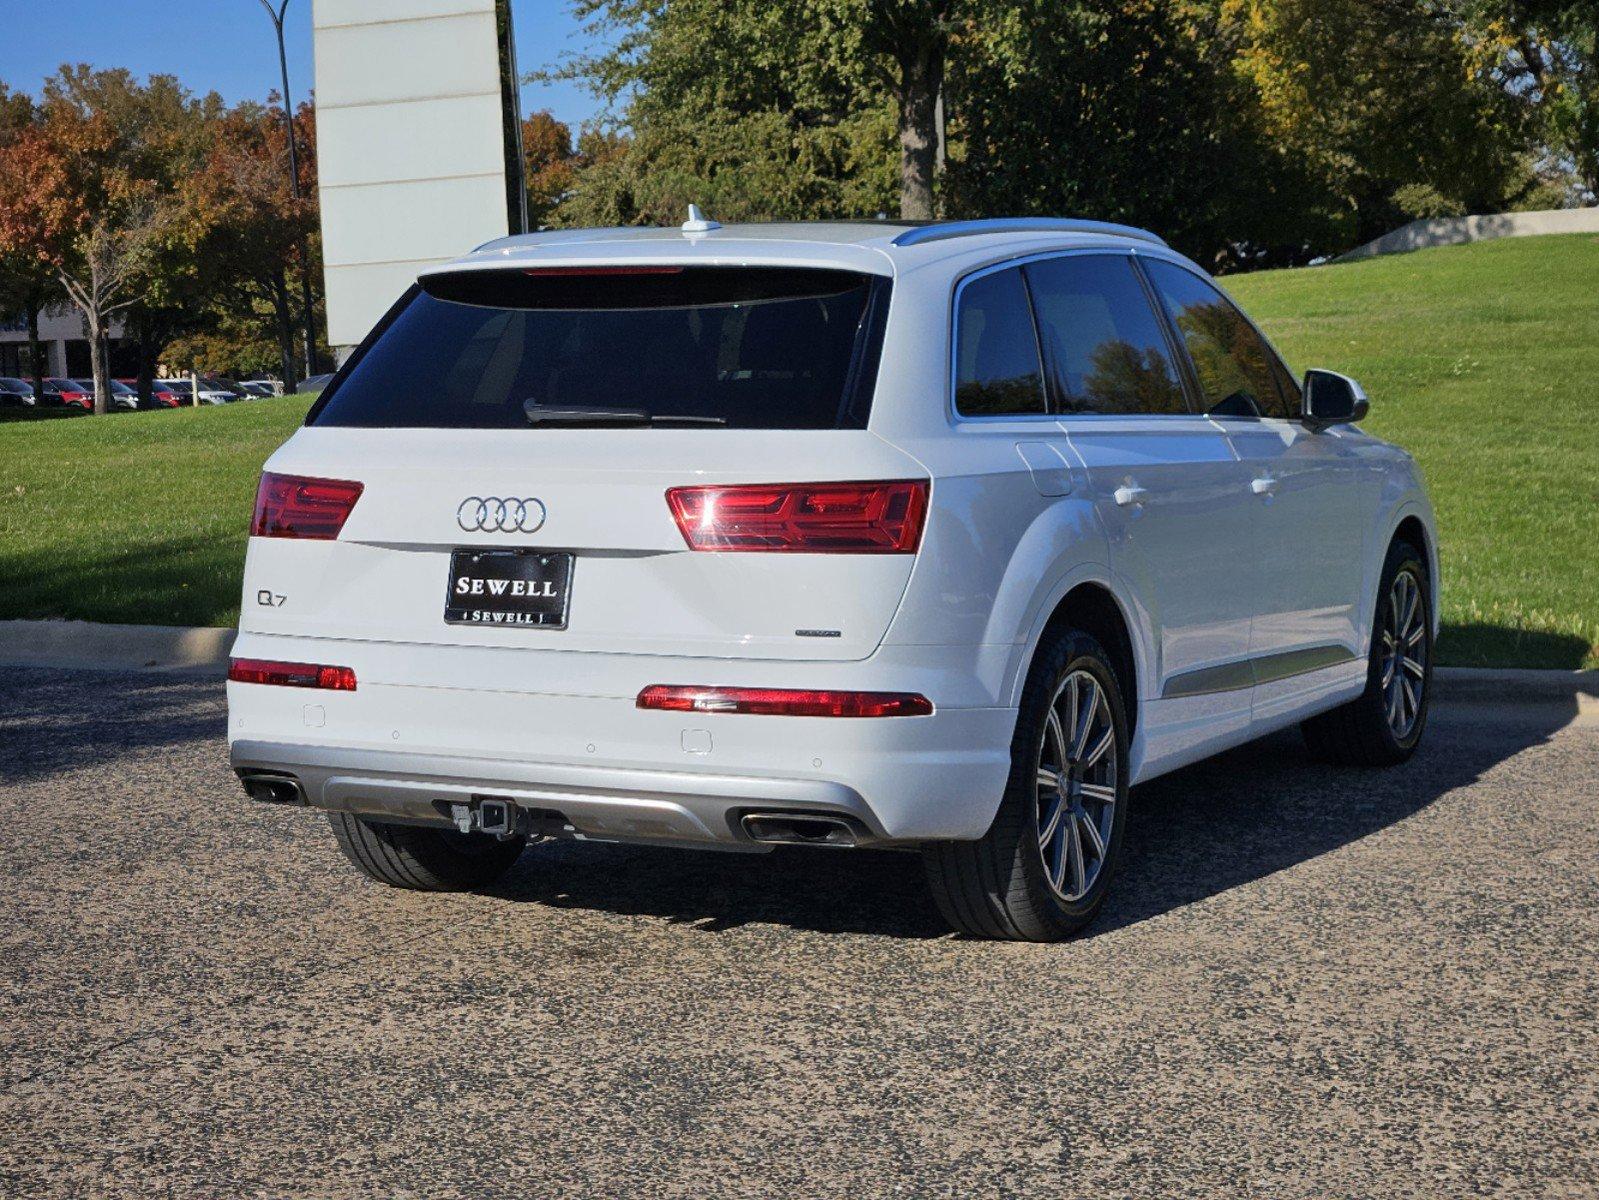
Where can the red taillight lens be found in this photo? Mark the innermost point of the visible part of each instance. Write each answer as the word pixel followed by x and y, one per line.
pixel 783 702
pixel 290 506
pixel 808 518
pixel 290 674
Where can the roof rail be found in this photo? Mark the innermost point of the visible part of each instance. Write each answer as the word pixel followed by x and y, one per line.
pixel 955 229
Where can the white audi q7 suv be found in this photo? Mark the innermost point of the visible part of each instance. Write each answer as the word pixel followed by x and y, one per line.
pixel 935 536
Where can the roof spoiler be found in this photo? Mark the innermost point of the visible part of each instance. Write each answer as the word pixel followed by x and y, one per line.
pixel 954 229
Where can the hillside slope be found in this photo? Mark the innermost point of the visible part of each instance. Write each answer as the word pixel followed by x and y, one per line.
pixel 1482 361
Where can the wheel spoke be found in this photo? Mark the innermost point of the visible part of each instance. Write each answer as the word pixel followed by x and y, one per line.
pixel 1414 667
pixel 1079 872
pixel 1415 635
pixel 1057 873
pixel 1101 792
pixel 1387 674
pixel 1094 838
pixel 1098 752
pixel 1048 778
pixel 1412 600
pixel 1085 723
pixel 1057 735
pixel 1047 827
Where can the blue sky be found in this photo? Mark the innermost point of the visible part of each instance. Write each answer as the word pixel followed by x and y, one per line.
pixel 228 46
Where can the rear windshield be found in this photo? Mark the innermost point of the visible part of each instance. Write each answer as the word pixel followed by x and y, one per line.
pixel 741 348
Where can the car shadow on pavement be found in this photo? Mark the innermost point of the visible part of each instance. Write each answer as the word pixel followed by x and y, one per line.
pixel 47 728
pixel 1198 832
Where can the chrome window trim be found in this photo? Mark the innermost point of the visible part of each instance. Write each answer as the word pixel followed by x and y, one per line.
pixel 1158 309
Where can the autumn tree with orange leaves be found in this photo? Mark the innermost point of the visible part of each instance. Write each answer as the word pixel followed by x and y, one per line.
pixel 247 226
pixel 92 187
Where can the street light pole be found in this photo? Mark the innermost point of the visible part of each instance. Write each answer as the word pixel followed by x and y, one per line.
pixel 308 332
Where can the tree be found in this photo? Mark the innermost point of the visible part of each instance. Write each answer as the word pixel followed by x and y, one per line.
pixel 1250 131
pixel 750 109
pixel 550 163
pixel 93 186
pixel 1386 106
pixel 247 228
pixel 914 36
pixel 27 284
pixel 1128 111
pixel 1545 55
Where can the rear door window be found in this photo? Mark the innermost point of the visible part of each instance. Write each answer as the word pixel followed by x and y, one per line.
pixel 997 372
pixel 743 348
pixel 1103 343
pixel 1238 373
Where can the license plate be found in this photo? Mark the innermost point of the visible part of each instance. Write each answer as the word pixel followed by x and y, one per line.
pixel 508 587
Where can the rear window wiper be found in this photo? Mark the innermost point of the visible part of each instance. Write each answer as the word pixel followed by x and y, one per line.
pixel 550 414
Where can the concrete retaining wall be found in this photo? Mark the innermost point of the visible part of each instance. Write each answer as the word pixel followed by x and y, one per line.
pixel 1453 231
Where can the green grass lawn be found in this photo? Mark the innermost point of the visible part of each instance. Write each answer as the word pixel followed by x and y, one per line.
pixel 136 517
pixel 1481 360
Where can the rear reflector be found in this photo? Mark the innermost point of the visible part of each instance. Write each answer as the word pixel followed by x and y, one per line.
pixel 808 518
pixel 292 506
pixel 291 674
pixel 783 702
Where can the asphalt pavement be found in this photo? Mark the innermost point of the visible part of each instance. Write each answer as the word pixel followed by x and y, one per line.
pixel 1309 982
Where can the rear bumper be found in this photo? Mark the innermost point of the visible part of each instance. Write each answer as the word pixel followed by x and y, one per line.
pixel 596 803
pixel 405 752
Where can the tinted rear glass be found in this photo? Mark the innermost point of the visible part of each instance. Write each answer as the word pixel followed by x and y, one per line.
pixel 748 348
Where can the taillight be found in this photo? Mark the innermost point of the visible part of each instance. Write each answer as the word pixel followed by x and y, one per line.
pixel 783 702
pixel 291 674
pixel 809 518
pixel 291 506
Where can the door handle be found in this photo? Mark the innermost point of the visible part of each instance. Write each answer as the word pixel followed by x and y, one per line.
pixel 1264 486
pixel 1130 493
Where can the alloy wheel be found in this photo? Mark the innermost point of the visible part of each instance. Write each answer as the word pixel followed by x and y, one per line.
pixel 1404 654
pixel 1077 786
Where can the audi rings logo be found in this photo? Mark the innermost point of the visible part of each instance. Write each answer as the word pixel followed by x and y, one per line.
pixel 490 514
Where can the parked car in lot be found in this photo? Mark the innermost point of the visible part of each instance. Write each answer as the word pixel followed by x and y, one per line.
pixel 234 389
pixel 16 393
pixel 160 395
pixel 935 537
pixel 184 390
pixel 259 387
pixel 122 399
pixel 314 384
pixel 67 393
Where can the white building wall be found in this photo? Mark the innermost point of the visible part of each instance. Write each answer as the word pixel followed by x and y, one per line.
pixel 57 327
pixel 410 146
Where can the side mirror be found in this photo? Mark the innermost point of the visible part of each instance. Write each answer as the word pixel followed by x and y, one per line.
pixel 1332 399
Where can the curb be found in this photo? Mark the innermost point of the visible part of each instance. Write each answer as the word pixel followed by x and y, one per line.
pixel 1487 685
pixel 90 645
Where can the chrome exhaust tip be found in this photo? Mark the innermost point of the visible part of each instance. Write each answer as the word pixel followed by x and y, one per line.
pixel 799 829
pixel 273 789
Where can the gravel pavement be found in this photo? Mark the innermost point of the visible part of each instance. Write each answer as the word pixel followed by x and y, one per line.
pixel 1307 983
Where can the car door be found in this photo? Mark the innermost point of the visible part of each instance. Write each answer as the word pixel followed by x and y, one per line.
pixel 1166 485
pixel 1312 494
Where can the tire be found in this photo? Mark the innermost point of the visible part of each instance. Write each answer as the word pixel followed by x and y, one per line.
pixel 1366 732
pixel 1011 883
pixel 420 859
